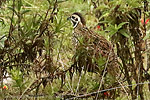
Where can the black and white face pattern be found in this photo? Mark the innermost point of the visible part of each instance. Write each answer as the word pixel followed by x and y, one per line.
pixel 75 19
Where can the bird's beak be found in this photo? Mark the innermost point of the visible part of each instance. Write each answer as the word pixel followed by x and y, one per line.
pixel 68 18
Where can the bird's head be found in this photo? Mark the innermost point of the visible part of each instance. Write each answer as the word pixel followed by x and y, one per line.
pixel 77 19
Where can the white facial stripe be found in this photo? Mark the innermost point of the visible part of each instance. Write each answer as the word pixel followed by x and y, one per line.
pixel 75 25
pixel 76 16
pixel 73 19
pixel 75 22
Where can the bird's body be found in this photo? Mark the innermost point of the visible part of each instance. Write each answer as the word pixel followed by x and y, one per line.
pixel 92 49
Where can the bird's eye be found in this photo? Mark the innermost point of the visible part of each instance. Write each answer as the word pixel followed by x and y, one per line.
pixel 73 17
pixel 76 19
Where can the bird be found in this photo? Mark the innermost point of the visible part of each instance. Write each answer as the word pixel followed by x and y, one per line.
pixel 93 51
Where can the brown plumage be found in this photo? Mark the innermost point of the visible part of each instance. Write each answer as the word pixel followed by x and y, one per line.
pixel 92 50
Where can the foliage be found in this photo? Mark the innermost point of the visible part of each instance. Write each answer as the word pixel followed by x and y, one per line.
pixel 36 44
pixel 17 77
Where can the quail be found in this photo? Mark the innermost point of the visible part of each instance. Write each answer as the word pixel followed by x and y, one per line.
pixel 92 50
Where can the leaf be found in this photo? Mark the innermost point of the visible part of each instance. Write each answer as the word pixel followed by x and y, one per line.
pixel 13 10
pixel 124 33
pixel 28 4
pixel 100 61
pixel 60 1
pixel 19 4
pixel 121 24
pixel 25 11
pixel 104 21
pixel 112 32
pixel 104 15
pixel 112 29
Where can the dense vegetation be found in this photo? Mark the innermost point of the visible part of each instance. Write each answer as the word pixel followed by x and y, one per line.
pixel 36 50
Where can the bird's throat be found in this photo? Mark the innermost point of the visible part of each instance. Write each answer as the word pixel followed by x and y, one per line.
pixel 75 24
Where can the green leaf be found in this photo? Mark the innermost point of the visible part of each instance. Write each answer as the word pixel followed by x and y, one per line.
pixel 100 61
pixel 25 11
pixel 60 1
pixel 10 8
pixel 112 29
pixel 121 24
pixel 112 32
pixel 124 33
pixel 19 4
pixel 104 15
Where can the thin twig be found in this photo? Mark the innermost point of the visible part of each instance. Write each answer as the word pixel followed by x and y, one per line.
pixel 27 89
pixel 138 81
pixel 79 81
pixel 66 75
pixel 11 24
pixel 124 90
pixel 104 72
pixel 92 93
